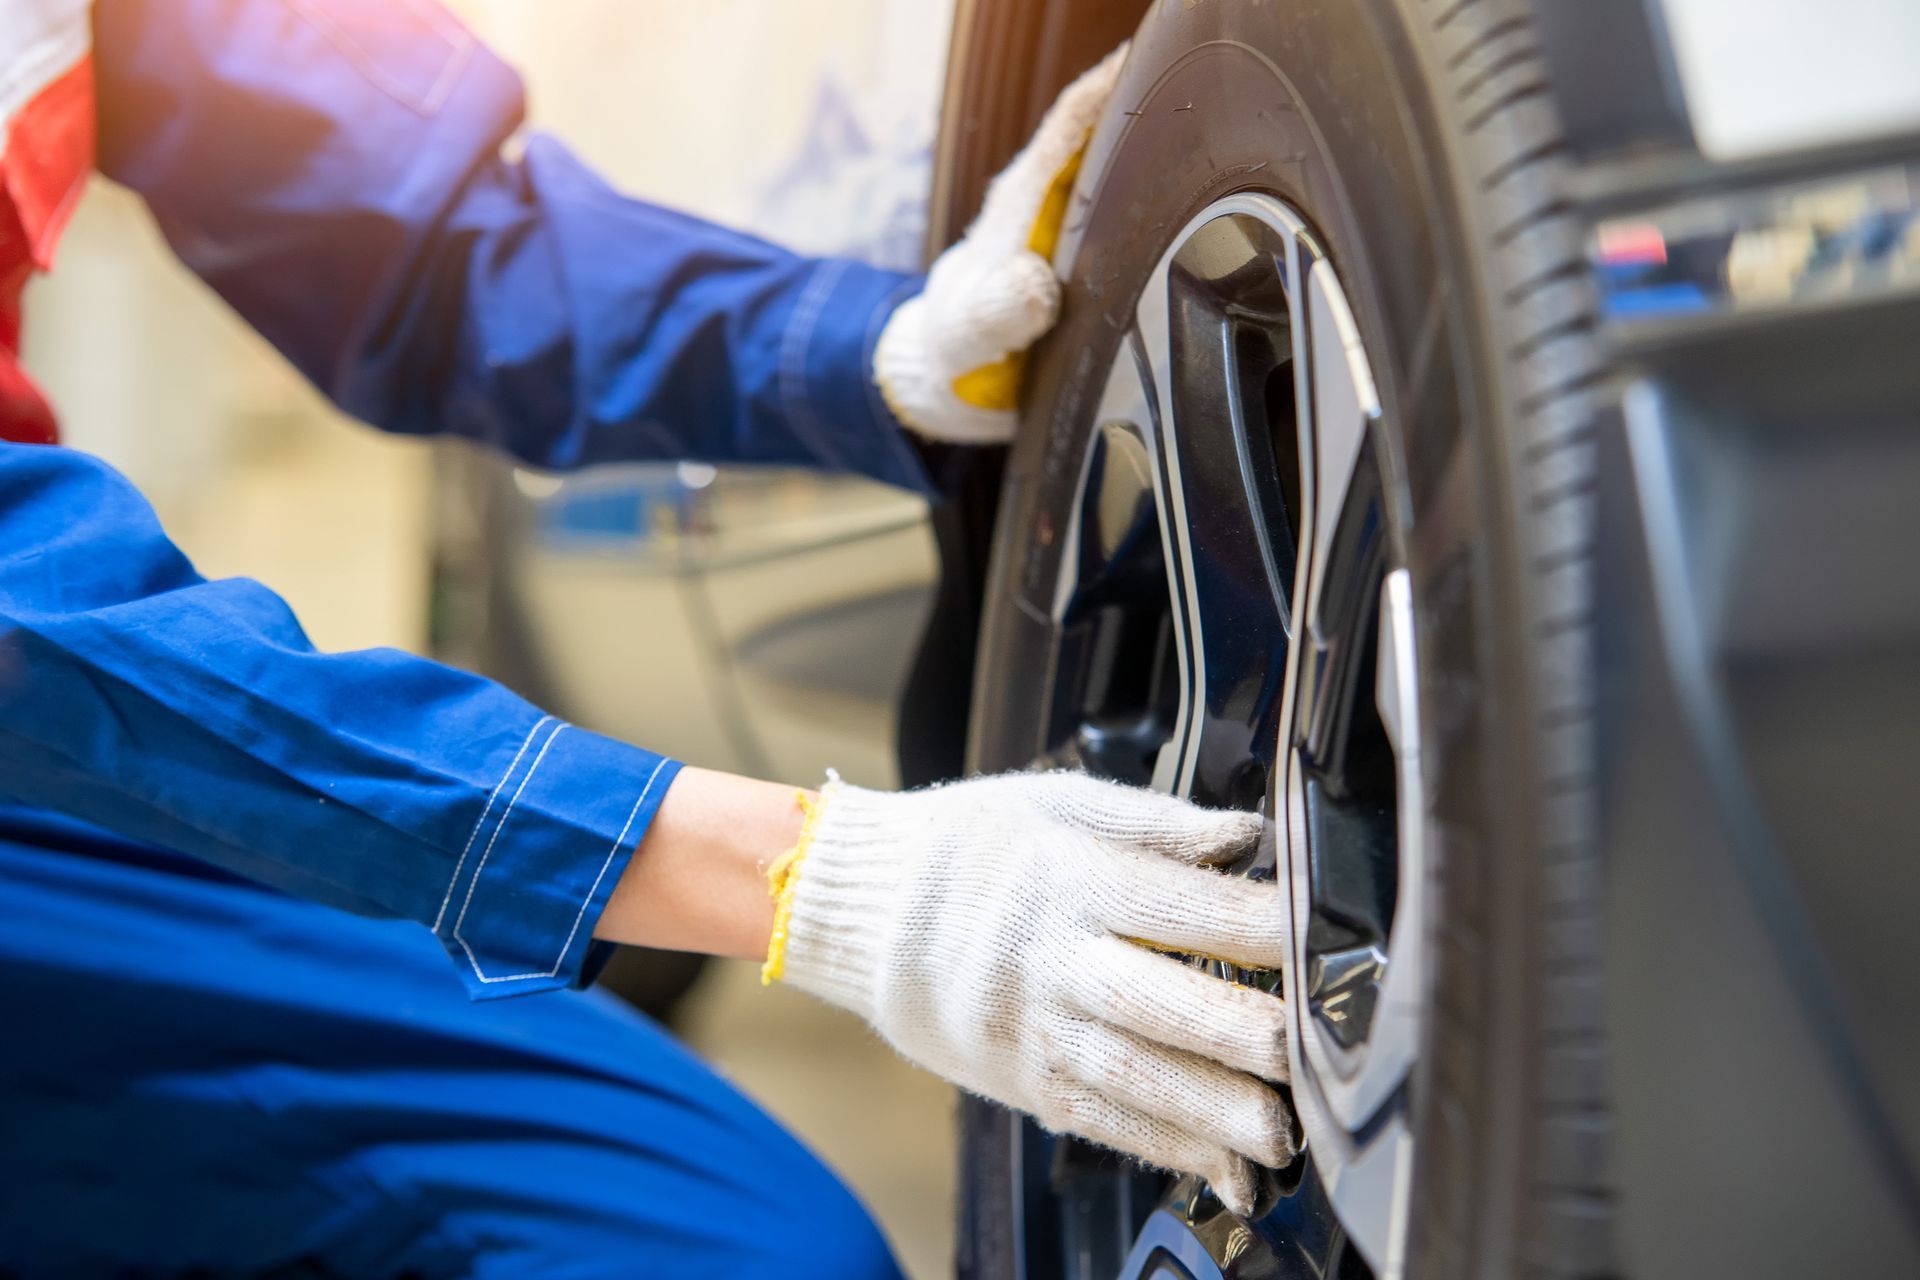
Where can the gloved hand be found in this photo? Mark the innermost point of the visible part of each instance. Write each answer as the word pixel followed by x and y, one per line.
pixel 1006 933
pixel 949 361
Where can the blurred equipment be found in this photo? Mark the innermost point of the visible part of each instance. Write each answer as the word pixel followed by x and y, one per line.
pixel 778 609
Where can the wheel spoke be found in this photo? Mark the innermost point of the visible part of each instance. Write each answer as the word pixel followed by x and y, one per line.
pixel 1348 820
pixel 1344 403
pixel 1216 330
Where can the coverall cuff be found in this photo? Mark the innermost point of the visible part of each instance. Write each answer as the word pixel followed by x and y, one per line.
pixel 826 372
pixel 543 858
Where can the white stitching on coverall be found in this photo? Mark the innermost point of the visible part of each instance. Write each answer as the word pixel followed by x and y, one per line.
pixel 492 840
pixel 618 841
pixel 581 914
pixel 481 821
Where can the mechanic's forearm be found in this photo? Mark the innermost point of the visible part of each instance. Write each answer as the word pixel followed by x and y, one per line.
pixel 196 715
pixel 430 284
pixel 698 881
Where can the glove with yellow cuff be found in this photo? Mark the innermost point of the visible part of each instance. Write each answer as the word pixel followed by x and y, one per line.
pixel 950 359
pixel 1012 934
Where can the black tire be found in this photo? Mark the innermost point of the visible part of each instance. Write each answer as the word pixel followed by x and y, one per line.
pixel 1419 140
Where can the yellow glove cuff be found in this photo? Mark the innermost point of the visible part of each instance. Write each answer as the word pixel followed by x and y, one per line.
pixel 783 879
pixel 996 386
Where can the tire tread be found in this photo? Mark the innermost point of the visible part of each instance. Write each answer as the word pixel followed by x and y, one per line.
pixel 1513 157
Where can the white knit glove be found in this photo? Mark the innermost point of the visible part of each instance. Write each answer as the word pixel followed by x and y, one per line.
pixel 950 360
pixel 1005 933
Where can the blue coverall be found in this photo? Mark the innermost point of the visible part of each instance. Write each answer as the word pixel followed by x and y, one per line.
pixel 205 1067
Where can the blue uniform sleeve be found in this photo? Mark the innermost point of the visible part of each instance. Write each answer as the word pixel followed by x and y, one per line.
pixel 338 171
pixel 195 714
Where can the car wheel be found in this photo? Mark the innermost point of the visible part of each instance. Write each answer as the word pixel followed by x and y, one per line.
pixel 1298 522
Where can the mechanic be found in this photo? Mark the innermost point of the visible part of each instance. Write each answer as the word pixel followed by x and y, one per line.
pixel 207 1067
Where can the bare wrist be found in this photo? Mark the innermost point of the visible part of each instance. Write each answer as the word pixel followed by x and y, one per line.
pixel 698 882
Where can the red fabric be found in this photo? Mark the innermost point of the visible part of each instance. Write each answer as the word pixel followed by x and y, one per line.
pixel 43 172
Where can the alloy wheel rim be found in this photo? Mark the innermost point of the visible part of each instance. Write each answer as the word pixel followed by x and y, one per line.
pixel 1284 674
